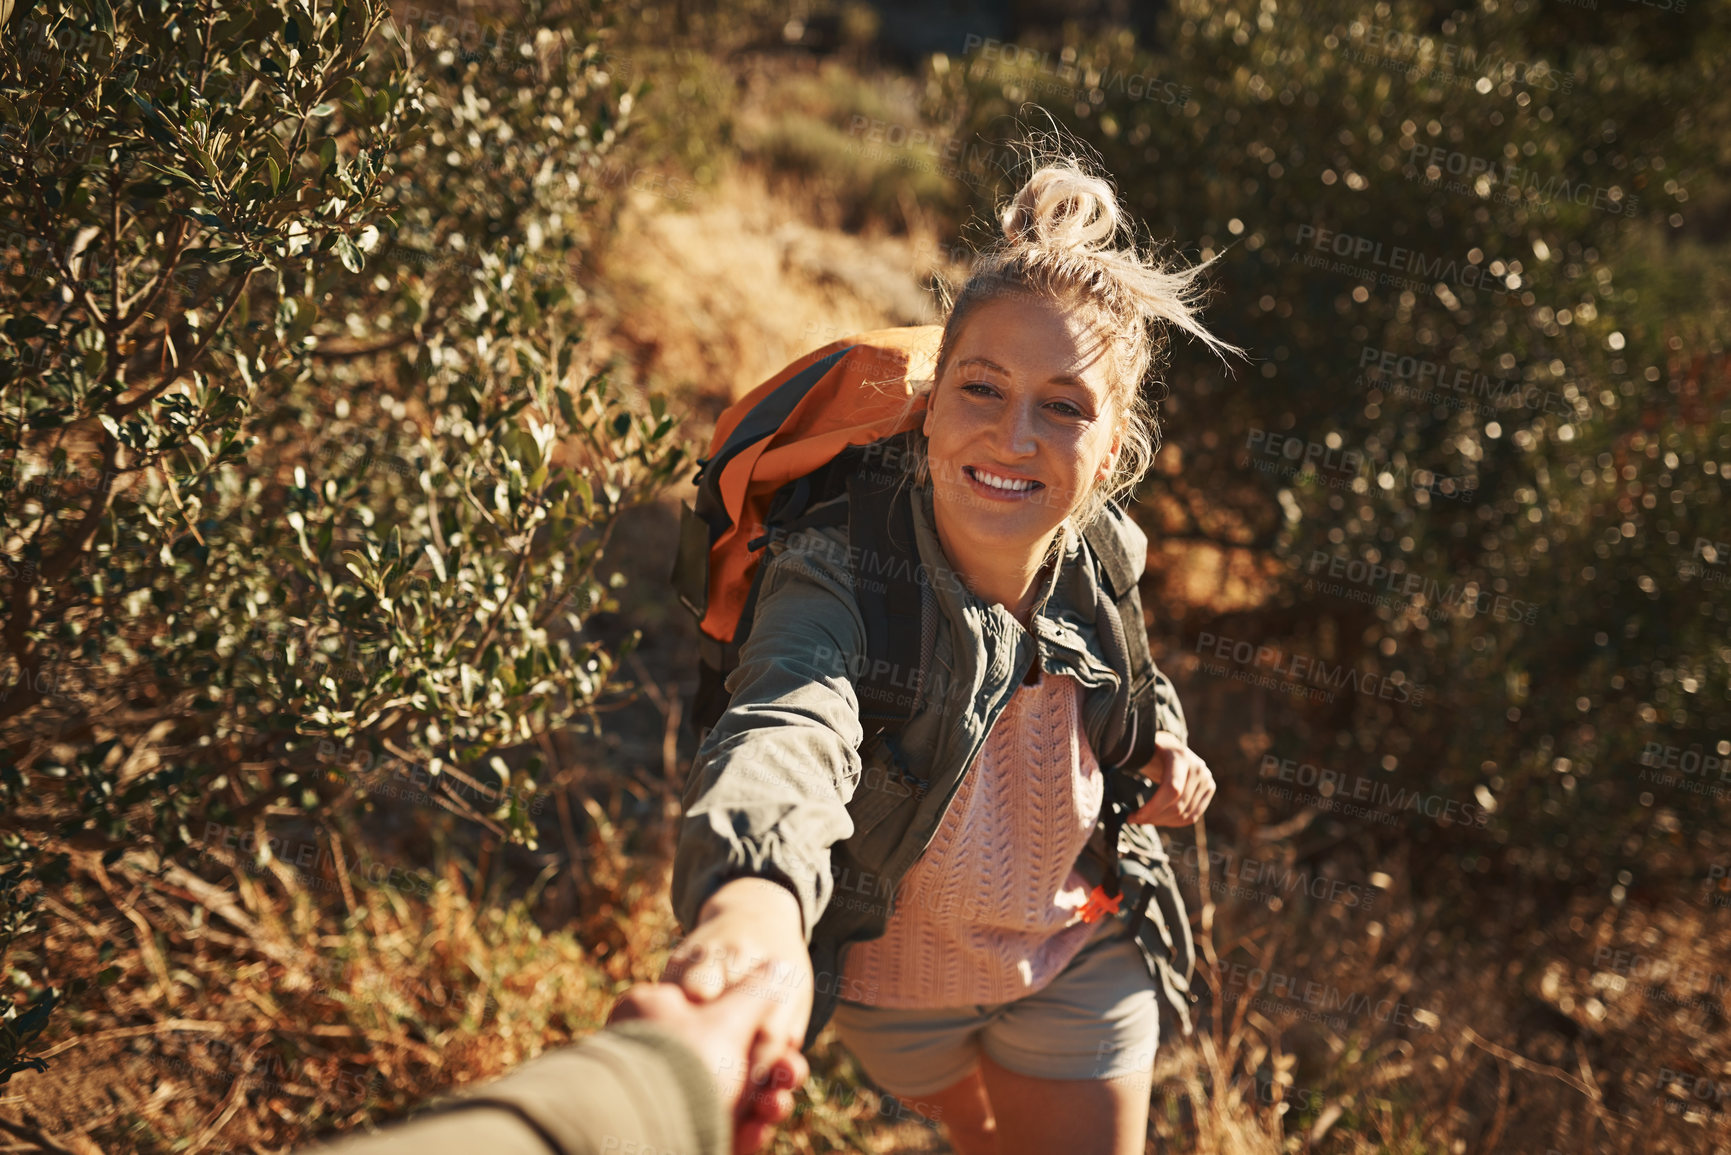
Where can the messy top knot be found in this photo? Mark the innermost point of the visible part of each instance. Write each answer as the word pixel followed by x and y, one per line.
pixel 1062 207
pixel 1065 240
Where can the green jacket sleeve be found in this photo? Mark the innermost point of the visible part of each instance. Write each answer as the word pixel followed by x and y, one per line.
pixel 768 792
pixel 633 1088
pixel 1167 709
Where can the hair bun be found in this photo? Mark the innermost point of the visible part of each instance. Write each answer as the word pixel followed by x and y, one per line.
pixel 1061 207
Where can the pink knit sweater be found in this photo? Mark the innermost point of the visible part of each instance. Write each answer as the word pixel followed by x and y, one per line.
pixel 991 911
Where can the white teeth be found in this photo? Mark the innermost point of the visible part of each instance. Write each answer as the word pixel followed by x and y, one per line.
pixel 997 482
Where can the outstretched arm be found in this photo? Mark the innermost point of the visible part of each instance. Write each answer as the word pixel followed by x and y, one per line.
pixel 667 1075
pixel 768 793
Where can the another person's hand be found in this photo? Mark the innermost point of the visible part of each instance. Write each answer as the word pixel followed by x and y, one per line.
pixel 1186 784
pixel 747 922
pixel 725 1032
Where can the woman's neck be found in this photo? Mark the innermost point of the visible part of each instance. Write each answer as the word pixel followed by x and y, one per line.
pixel 1009 578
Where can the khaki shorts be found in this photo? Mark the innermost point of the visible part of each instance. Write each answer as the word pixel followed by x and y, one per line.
pixel 1098 1019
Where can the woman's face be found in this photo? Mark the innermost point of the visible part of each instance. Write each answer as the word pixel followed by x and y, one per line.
pixel 1020 426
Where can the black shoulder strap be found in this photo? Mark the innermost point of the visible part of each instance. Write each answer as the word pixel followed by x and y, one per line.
pixel 1129 742
pixel 1123 631
pixel 896 601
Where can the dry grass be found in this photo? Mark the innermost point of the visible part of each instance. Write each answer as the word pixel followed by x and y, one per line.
pixel 264 1008
pixel 717 298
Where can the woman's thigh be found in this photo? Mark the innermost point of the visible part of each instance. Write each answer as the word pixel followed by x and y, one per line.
pixel 1068 1067
pixel 1076 1116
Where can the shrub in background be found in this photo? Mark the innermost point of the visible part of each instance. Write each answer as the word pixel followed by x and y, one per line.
pixel 301 465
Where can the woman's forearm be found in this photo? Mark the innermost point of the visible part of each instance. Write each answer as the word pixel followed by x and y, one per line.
pixel 760 899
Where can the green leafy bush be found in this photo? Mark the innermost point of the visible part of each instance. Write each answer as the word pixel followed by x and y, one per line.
pixel 303 468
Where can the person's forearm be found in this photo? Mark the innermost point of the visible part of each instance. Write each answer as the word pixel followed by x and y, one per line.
pixel 761 898
pixel 495 1130
pixel 632 1087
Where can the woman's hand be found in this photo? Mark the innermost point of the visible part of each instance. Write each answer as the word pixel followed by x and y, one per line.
pixel 1186 784
pixel 722 1032
pixel 749 933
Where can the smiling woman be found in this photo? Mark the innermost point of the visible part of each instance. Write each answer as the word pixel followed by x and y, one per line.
pixel 956 928
pixel 1039 410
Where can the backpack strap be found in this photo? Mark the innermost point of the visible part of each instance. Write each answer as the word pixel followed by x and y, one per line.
pixel 895 599
pixel 1125 637
pixel 1128 743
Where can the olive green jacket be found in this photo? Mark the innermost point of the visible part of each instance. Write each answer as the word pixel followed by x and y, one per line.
pixel 782 789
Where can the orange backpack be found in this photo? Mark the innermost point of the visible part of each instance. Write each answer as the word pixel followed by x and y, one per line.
pixel 777 451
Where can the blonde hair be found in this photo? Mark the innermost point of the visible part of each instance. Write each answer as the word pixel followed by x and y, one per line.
pixel 1065 239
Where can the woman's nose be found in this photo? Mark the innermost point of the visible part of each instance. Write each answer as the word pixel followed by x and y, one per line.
pixel 1015 431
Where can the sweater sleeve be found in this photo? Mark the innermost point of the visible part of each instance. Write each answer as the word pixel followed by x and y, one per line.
pixel 768 792
pixel 629 1088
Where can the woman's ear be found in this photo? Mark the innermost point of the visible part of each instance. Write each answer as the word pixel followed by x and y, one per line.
pixel 931 406
pixel 1111 460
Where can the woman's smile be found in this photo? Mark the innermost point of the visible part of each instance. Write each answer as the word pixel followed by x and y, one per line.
pixel 1001 485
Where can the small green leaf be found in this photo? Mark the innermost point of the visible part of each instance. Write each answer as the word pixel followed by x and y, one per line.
pixel 104 15
pixel 348 252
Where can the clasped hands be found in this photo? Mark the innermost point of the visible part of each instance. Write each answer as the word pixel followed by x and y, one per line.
pixel 738 991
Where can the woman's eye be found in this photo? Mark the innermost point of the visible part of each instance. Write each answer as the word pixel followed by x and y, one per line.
pixel 984 389
pixel 1067 409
